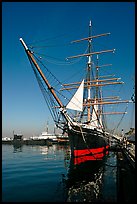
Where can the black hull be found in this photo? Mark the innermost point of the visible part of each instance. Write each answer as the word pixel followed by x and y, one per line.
pixel 87 144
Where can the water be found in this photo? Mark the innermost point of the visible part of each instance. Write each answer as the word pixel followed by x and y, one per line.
pixel 43 174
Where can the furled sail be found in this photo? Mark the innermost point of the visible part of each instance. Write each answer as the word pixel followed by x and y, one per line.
pixel 76 102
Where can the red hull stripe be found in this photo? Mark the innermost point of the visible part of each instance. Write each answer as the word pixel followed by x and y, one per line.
pixel 95 151
pixel 97 154
pixel 79 160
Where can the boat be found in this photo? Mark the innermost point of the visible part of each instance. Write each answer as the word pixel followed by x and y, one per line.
pixel 45 138
pixel 82 114
pixel 38 140
pixel 48 136
pixel 7 140
pixel 63 138
pixel 17 139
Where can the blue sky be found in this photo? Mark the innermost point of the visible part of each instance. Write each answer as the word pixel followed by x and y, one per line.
pixel 23 106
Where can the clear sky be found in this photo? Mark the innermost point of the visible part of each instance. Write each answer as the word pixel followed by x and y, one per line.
pixel 23 107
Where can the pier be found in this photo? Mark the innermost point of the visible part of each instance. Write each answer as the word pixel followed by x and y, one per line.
pixel 125 176
pixel 125 153
pixel 49 140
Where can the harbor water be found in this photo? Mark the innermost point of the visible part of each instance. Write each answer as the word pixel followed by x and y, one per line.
pixel 45 174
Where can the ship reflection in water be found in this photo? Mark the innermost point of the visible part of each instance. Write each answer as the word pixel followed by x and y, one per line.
pixel 85 179
pixel 17 148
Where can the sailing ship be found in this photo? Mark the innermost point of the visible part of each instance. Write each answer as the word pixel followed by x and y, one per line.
pixel 83 116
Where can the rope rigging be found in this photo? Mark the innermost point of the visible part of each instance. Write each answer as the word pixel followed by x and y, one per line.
pixel 113 130
pixel 51 102
pixel 46 39
pixel 56 83
pixel 58 61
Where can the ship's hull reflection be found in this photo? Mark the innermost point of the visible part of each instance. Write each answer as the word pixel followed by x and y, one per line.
pixel 84 181
pixel 17 148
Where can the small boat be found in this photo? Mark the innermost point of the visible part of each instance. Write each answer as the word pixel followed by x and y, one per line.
pixel 80 114
pixel 17 139
pixel 38 140
pixel 7 140
pixel 48 136
pixel 63 139
pixel 45 138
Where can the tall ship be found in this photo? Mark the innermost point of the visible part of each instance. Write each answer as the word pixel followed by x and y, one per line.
pixel 79 114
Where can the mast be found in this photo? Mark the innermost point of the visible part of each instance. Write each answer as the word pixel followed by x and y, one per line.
pixel 97 78
pixel 54 129
pixel 91 82
pixel 97 93
pixel 93 102
pixel 47 128
pixel 88 72
pixel 61 106
pixel 30 55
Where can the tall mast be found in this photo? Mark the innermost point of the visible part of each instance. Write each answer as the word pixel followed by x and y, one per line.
pixel 47 127
pixel 97 89
pixel 97 75
pixel 51 89
pixel 30 55
pixel 88 81
pixel 88 72
pixel 100 107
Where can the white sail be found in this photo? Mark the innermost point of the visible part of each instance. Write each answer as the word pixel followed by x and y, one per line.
pixel 95 122
pixel 76 102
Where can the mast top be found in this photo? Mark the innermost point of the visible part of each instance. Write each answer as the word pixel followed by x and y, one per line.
pixel 90 23
pixel 23 43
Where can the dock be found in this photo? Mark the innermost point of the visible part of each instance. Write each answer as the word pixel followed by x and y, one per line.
pixel 19 140
pixel 125 176
pixel 125 153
